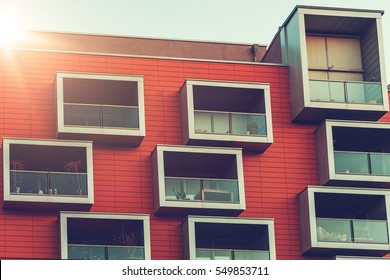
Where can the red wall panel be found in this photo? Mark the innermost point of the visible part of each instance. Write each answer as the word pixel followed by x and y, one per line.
pixel 123 176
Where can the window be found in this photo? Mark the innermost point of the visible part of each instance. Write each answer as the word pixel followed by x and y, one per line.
pixel 354 153
pixel 217 238
pixel 104 236
pixel 199 178
pixel 46 171
pixel 227 113
pixel 352 220
pixel 100 107
pixel 336 72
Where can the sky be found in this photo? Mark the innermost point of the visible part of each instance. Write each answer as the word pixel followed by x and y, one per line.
pixel 240 21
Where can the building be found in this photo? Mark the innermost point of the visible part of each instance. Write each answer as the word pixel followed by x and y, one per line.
pixel 135 148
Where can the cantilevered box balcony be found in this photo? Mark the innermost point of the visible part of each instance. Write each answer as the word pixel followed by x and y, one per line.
pixel 108 108
pixel 336 63
pixel 104 236
pixel 216 238
pixel 47 172
pixel 351 221
pixel 198 179
pixel 226 114
pixel 354 153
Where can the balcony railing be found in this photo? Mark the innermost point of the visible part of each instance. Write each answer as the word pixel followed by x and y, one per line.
pixel 362 163
pixel 48 183
pixel 198 189
pixel 346 92
pixel 102 252
pixel 96 115
pixel 352 231
pixel 231 254
pixel 214 122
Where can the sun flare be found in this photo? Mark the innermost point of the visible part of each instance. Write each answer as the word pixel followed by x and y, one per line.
pixel 9 30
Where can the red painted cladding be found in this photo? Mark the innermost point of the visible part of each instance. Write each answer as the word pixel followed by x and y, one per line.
pixel 123 176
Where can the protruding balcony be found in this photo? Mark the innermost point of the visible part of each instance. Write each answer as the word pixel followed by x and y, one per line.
pixel 227 114
pixel 222 238
pixel 354 153
pixel 104 236
pixel 104 108
pixel 198 180
pixel 336 63
pixel 344 221
pixel 57 174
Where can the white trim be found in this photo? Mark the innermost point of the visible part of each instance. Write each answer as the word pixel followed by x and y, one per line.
pixel 192 220
pixel 63 129
pixel 15 198
pixel 260 143
pixel 160 185
pixel 315 244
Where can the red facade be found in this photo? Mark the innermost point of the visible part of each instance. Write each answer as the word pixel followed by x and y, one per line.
pixel 123 175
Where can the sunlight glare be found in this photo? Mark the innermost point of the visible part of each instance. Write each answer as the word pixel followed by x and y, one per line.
pixel 9 31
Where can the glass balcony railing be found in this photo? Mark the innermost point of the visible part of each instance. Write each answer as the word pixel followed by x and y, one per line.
pixel 101 116
pixel 228 254
pixel 362 163
pixel 230 123
pixel 352 231
pixel 197 189
pixel 346 92
pixel 48 183
pixel 102 252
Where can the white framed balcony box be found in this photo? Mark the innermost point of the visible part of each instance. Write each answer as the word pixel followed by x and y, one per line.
pixel 100 107
pixel 222 113
pixel 344 221
pixel 228 238
pixel 48 173
pixel 104 236
pixel 353 153
pixel 198 180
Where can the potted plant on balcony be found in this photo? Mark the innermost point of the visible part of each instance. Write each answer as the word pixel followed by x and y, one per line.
pixel 252 125
pixel 129 239
pixel 74 166
pixel 16 164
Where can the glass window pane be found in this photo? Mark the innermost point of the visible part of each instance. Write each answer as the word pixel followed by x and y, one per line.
pixel 370 231
pixel 202 122
pixel 76 252
pixel 356 93
pixel 82 115
pixel 220 190
pixel 182 189
pixel 125 253
pixel 29 182
pixel 319 90
pixel 251 255
pixel 246 124
pixel 120 117
pixel 333 230
pixel 380 164
pixel 68 184
pixel 220 123
pixel 336 92
pixel 349 162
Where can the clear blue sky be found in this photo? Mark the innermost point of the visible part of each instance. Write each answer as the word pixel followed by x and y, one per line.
pixel 243 21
